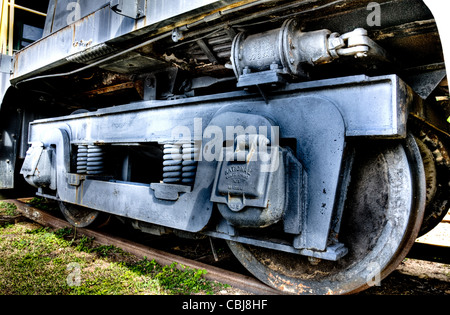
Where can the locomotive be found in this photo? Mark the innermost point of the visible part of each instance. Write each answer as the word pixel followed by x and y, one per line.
pixel 311 135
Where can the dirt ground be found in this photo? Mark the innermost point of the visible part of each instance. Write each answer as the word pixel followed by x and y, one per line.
pixel 429 275
pixel 425 271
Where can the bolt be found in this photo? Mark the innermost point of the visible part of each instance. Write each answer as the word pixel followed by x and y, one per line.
pixel 361 55
pixel 176 35
pixel 335 41
pixel 274 66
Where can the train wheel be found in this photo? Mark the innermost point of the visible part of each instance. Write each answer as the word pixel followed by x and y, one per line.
pixel 80 216
pixel 382 217
pixel 437 171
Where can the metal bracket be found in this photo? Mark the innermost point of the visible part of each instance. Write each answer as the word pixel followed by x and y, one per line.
pixel 32 159
pixel 177 35
pixel 134 9
pixel 169 192
pixel 357 43
pixel 75 179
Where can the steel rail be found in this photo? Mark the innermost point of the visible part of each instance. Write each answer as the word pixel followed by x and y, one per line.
pixel 235 280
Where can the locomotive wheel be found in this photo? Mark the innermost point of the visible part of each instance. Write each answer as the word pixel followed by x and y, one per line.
pixel 437 174
pixel 80 216
pixel 383 212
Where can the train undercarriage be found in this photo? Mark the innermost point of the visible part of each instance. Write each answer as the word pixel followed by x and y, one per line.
pixel 310 135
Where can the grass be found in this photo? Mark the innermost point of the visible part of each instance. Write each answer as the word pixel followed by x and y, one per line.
pixel 43 204
pixel 38 261
pixel 8 209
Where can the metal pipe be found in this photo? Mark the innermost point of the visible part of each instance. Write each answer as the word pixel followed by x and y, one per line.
pixel 7 38
pixel 1 14
pixel 4 26
pixel 97 63
pixel 11 28
pixel 27 9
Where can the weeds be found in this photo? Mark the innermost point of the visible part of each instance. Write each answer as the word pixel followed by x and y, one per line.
pixel 176 278
pixel 8 209
pixel 36 260
pixel 64 232
pixel 84 244
pixel 43 204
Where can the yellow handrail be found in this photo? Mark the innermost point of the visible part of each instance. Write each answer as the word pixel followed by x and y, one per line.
pixel 7 39
pixel 27 9
pixel 4 26
pixel 1 14
pixel 2 38
pixel 11 27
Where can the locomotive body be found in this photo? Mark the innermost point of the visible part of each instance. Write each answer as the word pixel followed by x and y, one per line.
pixel 310 135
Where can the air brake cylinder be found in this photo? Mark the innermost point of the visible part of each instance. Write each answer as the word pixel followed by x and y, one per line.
pixel 249 187
pixel 272 56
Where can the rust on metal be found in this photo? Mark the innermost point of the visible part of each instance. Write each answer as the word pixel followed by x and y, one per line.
pixel 110 89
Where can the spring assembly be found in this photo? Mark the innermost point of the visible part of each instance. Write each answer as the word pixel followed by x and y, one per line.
pixel 94 160
pixel 190 157
pixel 180 163
pixel 172 164
pixel 90 160
pixel 82 159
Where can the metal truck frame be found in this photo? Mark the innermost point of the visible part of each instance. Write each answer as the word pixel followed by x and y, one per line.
pixel 317 154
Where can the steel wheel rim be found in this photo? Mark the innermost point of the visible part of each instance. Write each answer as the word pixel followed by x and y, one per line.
pixel 295 275
pixel 78 216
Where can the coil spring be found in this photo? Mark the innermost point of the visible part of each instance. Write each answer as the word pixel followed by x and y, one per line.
pixel 180 163
pixel 190 155
pixel 172 163
pixel 82 159
pixel 94 160
pixel 90 160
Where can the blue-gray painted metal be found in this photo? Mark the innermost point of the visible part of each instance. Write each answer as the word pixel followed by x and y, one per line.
pixel 319 115
pixel 80 27
pixel 62 13
pixel 333 252
pixel 5 73
pixel 371 106
pixel 11 128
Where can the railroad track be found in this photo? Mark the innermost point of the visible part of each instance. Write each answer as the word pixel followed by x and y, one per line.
pixel 236 280
pixel 435 245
